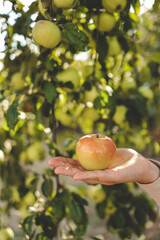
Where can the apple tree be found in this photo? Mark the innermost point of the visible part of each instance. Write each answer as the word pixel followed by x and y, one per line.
pixel 70 68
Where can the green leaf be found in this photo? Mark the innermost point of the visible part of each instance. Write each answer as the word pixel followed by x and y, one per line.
pixel 139 102
pixel 100 209
pixel 12 115
pixel 2 99
pixel 49 91
pixel 102 49
pixel 79 199
pixel 117 220
pixel 48 226
pixel 140 215
pixel 98 103
pixel 47 187
pixel 41 236
pixel 59 211
pixel 27 225
pixel 75 37
pixel 77 212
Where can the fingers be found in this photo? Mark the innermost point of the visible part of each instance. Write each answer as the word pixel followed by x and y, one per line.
pixel 66 171
pixel 106 177
pixel 62 161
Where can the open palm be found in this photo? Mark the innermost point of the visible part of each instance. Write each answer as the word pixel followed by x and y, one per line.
pixel 127 166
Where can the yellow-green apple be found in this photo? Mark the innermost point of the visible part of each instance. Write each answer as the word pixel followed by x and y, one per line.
pixel 96 193
pixel 88 71
pixel 17 82
pixel 64 4
pixel 110 208
pixel 69 75
pixel 90 114
pixel 114 48
pixel 120 114
pixel 114 5
pixel 128 84
pixel 95 151
pixel 63 117
pixel 106 22
pixel 46 34
pixel 90 96
pixel 146 91
pixel 6 234
pixel 33 153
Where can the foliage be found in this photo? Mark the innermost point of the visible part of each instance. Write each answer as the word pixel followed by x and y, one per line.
pixel 43 115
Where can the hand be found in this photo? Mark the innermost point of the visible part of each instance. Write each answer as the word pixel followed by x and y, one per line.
pixel 128 166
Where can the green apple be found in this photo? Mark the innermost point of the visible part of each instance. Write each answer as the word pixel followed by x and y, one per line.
pixel 90 114
pixel 46 34
pixel 128 84
pixel 6 234
pixel 106 22
pixel 120 114
pixel 63 117
pixel 35 152
pixel 88 71
pixel 114 48
pixel 64 4
pixel 95 151
pixel 145 91
pixel 90 96
pixel 17 82
pixel 96 193
pixel 69 75
pixel 110 208
pixel 114 5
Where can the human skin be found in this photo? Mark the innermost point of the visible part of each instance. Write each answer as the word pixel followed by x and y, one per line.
pixel 128 166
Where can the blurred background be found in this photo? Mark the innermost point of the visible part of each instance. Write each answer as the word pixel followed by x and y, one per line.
pixel 118 95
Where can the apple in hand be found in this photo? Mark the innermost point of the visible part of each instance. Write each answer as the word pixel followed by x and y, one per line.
pixel 114 5
pixel 95 151
pixel 106 22
pixel 46 34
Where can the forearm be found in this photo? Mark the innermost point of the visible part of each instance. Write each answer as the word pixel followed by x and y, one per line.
pixel 153 188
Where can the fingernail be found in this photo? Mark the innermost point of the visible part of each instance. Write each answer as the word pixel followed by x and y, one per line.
pixel 50 162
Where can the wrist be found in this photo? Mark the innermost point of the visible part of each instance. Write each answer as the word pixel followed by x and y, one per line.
pixel 151 173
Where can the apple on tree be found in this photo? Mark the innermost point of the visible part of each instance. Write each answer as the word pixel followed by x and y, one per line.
pixel 120 114
pixel 17 82
pixel 64 4
pixel 106 22
pixel 46 34
pixel 96 193
pixel 114 5
pixel 128 83
pixel 95 151
pixel 114 48
pixel 88 71
pixel 6 234
pixel 70 75
pixel 146 91
pixel 90 96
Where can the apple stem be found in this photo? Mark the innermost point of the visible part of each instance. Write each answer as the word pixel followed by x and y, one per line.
pixel 97 135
